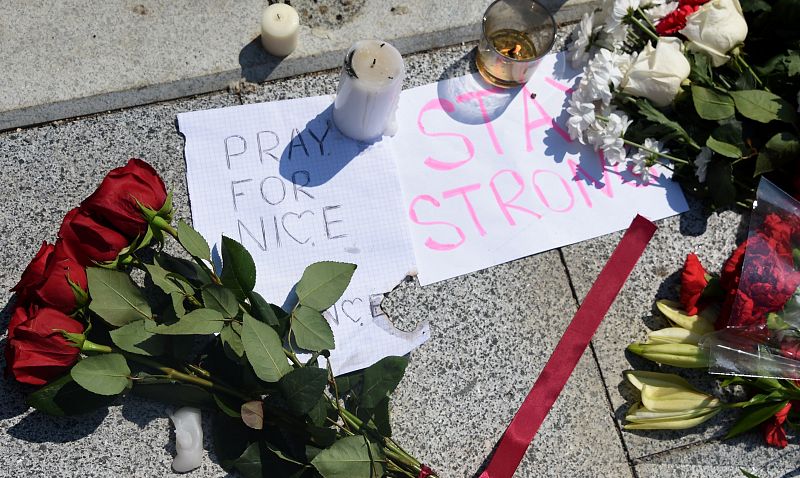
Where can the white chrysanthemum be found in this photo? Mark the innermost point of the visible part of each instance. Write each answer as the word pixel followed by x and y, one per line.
pixel 645 157
pixel 615 153
pixel 658 11
pixel 609 133
pixel 619 11
pixel 578 51
pixel 701 163
pixel 581 117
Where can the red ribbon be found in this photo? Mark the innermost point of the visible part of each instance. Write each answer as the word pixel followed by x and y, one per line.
pixel 519 434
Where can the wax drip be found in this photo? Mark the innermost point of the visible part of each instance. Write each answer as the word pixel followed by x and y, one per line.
pixel 348 64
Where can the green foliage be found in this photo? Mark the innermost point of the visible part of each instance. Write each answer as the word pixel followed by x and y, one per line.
pixel 231 337
pixel 311 330
pixel 102 374
pixel 238 268
pixel 264 350
pixel 174 393
pixel 64 397
pixel 780 150
pixel 323 283
pixel 754 415
pixel 727 140
pixel 762 106
pixel 263 311
pixel 712 105
pixel 381 379
pixel 720 182
pixel 115 298
pixel 193 242
pixel 652 114
pixel 220 299
pixel 196 322
pixel 303 388
pixel 136 339
pixel 351 457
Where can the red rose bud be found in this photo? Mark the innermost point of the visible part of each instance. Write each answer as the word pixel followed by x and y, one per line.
pixel 693 282
pixel 33 275
pixel 88 241
pixel 118 198
pixel 62 273
pixel 774 434
pixel 38 352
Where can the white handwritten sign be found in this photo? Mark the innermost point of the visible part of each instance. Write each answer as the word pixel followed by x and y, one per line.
pixel 279 178
pixel 491 175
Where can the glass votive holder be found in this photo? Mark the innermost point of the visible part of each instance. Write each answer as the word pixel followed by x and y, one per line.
pixel 515 35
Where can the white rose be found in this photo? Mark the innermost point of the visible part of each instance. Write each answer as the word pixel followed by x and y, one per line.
pixel 716 28
pixel 657 73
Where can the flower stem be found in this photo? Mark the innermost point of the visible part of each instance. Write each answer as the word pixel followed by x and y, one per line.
pixel 641 12
pixel 642 27
pixel 659 153
pixel 743 63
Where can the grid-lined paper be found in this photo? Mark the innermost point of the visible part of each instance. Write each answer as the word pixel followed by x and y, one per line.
pixel 279 178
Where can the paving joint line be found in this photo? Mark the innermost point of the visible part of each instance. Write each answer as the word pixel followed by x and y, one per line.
pixel 609 403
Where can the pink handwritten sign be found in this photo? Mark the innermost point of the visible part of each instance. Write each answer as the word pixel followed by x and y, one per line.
pixel 491 175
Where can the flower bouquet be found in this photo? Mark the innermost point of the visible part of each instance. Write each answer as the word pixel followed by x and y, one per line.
pixel 744 322
pixel 105 311
pixel 705 88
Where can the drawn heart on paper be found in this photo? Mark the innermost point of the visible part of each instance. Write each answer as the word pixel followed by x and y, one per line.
pixel 351 303
pixel 298 226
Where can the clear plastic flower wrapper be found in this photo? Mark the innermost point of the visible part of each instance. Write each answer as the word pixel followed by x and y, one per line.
pixel 762 335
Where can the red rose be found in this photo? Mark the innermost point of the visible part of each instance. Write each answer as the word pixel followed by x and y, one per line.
pixel 732 269
pixel 33 274
pixel 693 282
pixel 675 21
pixel 88 241
pixel 56 291
pixel 774 434
pixel 36 352
pixel 115 200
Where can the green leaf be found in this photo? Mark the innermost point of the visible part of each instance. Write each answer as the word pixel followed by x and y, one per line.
pixel 319 412
pixel 311 330
pixel 726 149
pixel 720 182
pixel 303 387
pixel 381 378
pixel 380 418
pixel 323 283
pixel 351 457
pixel 712 105
pixel 115 297
pixel 226 408
pixel 106 374
pixel 174 393
pixel 755 6
pixel 262 310
pixel 183 268
pixel 780 150
pixel 160 278
pixel 654 115
pixel 64 397
pixel 134 338
pixel 231 336
pixel 193 242
pixel 747 473
pixel 230 437
pixel 249 464
pixel 762 106
pixel 754 415
pixel 220 299
pixel 238 268
pixel 264 350
pixel 196 322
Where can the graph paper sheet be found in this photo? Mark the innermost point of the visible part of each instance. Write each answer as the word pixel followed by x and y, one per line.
pixel 279 178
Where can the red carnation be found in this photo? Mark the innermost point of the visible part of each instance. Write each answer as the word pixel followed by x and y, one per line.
pixel 55 291
pixel 693 282
pixel 33 274
pixel 88 241
pixel 36 351
pixel 115 200
pixel 675 21
pixel 774 434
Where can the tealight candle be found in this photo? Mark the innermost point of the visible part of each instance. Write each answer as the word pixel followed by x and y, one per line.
pixel 369 89
pixel 280 26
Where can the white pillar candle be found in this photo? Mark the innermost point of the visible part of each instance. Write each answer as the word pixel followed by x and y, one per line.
pixel 188 439
pixel 369 88
pixel 280 26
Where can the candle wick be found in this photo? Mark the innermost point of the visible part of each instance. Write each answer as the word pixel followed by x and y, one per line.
pixel 373 63
pixel 382 45
pixel 391 78
pixel 278 16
